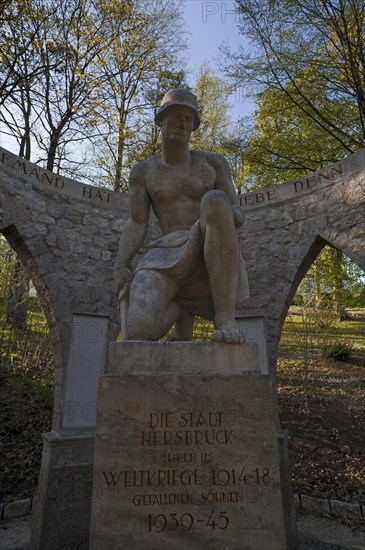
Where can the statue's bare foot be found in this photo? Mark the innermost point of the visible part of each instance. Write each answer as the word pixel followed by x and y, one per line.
pixel 228 333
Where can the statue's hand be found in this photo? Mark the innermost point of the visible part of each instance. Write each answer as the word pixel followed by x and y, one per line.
pixel 122 276
pixel 238 215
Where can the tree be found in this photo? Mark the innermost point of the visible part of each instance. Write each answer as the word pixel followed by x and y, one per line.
pixel 284 143
pixel 332 282
pixel 306 71
pixel 93 58
pixel 20 67
pixel 16 311
pixel 312 52
pixel 147 43
pixel 213 111
pixel 20 23
pixel 72 41
pixel 234 146
pixel 49 47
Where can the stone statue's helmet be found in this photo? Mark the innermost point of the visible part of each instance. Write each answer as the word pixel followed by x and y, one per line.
pixel 179 97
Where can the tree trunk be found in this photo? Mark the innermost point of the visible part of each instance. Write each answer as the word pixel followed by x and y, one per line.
pixel 120 153
pixel 318 288
pixel 338 285
pixel 51 157
pixel 16 312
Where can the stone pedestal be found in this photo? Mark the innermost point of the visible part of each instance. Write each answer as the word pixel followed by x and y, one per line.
pixel 186 452
pixel 61 514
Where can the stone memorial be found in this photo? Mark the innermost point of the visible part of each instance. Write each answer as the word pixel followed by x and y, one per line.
pixel 178 464
pixel 67 235
pixel 186 451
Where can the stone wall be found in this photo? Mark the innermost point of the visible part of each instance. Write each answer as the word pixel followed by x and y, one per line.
pixel 67 234
pixel 289 225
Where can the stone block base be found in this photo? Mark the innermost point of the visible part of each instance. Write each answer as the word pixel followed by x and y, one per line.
pixel 61 516
pixel 186 453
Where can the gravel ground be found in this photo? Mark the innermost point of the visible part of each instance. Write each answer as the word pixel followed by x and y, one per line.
pixel 315 532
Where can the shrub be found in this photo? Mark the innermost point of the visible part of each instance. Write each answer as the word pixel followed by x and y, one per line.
pixel 337 351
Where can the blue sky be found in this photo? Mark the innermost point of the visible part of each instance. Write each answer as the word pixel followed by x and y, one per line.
pixel 211 23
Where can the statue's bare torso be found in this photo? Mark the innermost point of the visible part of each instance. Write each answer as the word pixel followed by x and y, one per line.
pixel 175 192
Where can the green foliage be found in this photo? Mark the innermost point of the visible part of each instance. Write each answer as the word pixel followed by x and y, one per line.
pixel 213 111
pixel 323 412
pixel 26 389
pixel 310 111
pixel 285 143
pixel 305 68
pixel 21 347
pixel 203 329
pixel 234 146
pixel 332 282
pixel 26 399
pixel 306 335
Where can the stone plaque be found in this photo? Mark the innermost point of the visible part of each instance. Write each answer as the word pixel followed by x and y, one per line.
pixel 86 362
pixel 186 461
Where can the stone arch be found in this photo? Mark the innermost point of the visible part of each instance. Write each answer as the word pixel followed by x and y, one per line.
pixel 341 240
pixel 19 245
pixel 68 232
pixel 315 248
pixel 316 439
pixel 344 243
pixel 287 226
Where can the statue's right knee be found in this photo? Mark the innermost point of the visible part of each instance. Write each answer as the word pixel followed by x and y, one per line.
pixel 214 203
pixel 143 322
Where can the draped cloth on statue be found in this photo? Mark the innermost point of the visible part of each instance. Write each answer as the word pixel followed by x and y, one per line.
pixel 180 256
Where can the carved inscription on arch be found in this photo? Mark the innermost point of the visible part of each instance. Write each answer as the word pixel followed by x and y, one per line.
pixel 50 179
pixel 315 181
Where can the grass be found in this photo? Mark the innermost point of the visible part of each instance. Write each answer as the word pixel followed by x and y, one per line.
pixel 322 404
pixel 303 342
pixel 29 346
pixel 26 399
